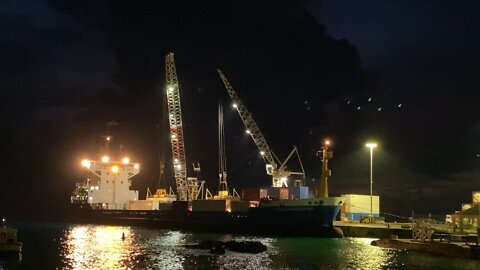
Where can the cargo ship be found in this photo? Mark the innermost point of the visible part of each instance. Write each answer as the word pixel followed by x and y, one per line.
pixel 105 197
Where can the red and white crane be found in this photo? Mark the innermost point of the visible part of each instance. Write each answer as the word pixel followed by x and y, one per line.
pixel 188 188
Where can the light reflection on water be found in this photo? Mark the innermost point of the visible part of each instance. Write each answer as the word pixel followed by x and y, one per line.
pixel 98 247
pixel 102 247
pixel 365 256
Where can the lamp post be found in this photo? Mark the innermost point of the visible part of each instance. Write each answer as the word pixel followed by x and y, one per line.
pixel 371 146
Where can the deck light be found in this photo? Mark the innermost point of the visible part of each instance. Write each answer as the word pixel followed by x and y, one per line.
pixel 86 163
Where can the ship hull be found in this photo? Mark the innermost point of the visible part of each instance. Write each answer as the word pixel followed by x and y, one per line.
pixel 282 221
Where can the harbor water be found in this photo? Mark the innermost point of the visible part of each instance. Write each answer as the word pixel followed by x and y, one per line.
pixel 73 246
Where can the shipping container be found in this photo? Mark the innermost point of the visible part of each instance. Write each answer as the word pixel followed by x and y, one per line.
pixel 211 205
pixel 143 205
pixel 298 192
pixel 358 206
pixel 278 193
pixel 254 194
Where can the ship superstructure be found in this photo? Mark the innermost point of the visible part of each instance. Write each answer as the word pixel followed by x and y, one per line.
pixel 109 188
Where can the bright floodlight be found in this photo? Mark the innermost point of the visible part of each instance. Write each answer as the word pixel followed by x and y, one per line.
pixel 105 159
pixel 86 163
pixel 125 160
pixel 234 105
pixel 371 145
pixel 136 166
pixel 327 142
pixel 179 166
pixel 170 88
pixel 262 153
pixel 248 131
pixel 108 138
pixel 115 168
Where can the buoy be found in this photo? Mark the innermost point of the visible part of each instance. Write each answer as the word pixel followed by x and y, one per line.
pixel 123 236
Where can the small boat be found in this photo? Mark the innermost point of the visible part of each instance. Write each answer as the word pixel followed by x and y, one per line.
pixel 8 239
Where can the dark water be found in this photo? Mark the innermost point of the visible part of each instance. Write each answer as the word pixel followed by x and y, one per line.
pixel 69 246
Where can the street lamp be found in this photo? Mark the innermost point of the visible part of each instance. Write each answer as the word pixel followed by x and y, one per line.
pixel 371 146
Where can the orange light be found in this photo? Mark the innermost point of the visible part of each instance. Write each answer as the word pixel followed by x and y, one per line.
pixel 86 163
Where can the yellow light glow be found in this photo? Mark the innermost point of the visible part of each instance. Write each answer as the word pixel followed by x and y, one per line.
pixel 115 168
pixel 179 166
pixel 86 163
pixel 327 142
pixel 248 131
pixel 125 160
pixel 105 159
pixel 371 145
pixel 170 88
pixel 234 105
pixel 262 153
pixel 174 136
pixel 136 166
pixel 99 247
pixel 108 138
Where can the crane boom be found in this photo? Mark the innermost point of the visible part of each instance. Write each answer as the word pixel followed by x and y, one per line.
pixel 176 128
pixel 275 167
pixel 250 124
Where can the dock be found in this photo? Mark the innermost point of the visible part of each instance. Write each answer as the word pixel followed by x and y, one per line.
pixel 382 230
pixel 436 247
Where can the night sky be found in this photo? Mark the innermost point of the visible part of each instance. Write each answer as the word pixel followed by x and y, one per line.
pixel 402 73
